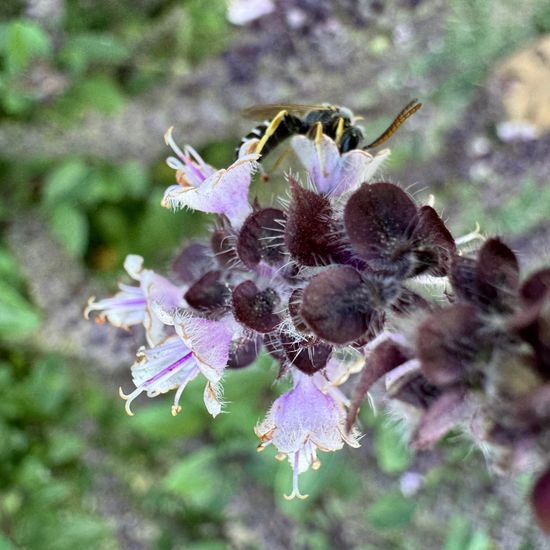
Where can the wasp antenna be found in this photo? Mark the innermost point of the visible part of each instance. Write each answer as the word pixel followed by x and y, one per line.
pixel 403 115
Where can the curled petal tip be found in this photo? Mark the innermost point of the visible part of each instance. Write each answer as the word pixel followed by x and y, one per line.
pixel 176 409
pixel 280 456
pixel 168 135
pixel 295 494
pixel 89 307
pixel 260 448
pixel 316 465
pixel 128 402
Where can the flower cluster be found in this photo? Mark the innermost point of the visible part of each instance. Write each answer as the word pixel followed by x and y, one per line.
pixel 344 271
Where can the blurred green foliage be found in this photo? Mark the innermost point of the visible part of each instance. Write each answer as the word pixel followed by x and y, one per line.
pixel 72 464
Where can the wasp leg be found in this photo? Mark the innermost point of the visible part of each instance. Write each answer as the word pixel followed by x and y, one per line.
pixel 271 129
pixel 339 131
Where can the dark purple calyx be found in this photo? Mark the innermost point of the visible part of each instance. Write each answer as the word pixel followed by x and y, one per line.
pixel 446 411
pixel 310 233
pixel 376 326
pixel 244 351
pixel 208 292
pixel 447 345
pixel 463 279
pixel 261 238
pixel 379 219
pixel 532 320
pixel 381 360
pixel 387 230
pixel 434 246
pixel 491 281
pixel 192 262
pixel 254 308
pixel 540 500
pixel 307 355
pixel 336 305
pixel 497 275
pixel 413 388
pixel 536 289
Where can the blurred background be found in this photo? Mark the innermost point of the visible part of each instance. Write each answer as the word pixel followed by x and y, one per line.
pixel 87 90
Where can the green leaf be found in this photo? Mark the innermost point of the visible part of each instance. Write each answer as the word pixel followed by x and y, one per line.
pixel 133 179
pixel 197 478
pixel 66 182
pixel 64 447
pixel 392 453
pixel 9 268
pixel 70 226
pixel 18 318
pixel 156 422
pixel 25 40
pixel 5 544
pixel 84 49
pixel 391 511
pixel 14 102
pixel 45 394
pixel 479 541
pixel 458 534
pixel 101 93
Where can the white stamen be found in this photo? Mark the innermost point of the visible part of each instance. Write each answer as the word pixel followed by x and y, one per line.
pixel 474 235
pixel 295 473
pixel 175 163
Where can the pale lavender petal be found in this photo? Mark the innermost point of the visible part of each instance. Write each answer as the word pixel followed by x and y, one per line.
pixel 332 173
pixel 224 192
pixel 320 160
pixel 210 342
pixel 161 369
pixel 133 264
pixel 123 310
pixel 212 398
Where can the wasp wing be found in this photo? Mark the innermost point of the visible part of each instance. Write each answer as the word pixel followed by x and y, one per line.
pixel 268 111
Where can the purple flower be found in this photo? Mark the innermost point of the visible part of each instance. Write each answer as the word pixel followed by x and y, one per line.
pixel 302 421
pixel 331 172
pixel 203 188
pixel 201 346
pixel 135 305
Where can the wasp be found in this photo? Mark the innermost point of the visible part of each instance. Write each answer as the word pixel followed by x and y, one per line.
pixel 337 122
